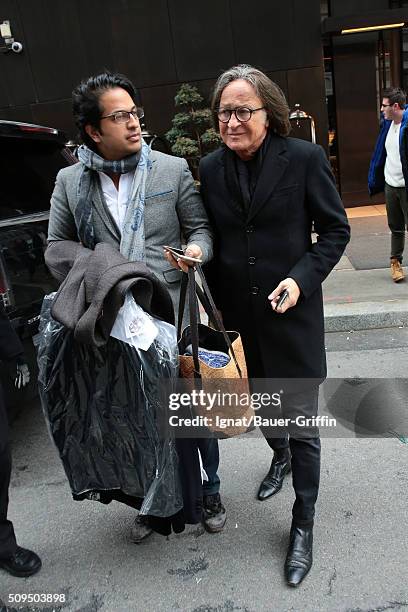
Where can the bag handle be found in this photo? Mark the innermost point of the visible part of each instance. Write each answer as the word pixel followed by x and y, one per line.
pixel 206 299
pixel 194 316
pixel 216 316
pixel 182 303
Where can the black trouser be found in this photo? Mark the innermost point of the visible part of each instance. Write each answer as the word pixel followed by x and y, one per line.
pixel 396 201
pixel 305 453
pixel 304 448
pixel 8 543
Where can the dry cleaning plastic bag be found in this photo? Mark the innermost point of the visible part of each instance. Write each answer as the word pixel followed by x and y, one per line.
pixel 103 407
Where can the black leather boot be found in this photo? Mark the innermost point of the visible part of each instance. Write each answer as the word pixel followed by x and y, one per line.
pixel 23 563
pixel 300 554
pixel 273 481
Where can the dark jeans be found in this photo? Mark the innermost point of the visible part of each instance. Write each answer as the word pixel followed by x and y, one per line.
pixel 397 214
pixel 8 543
pixel 210 455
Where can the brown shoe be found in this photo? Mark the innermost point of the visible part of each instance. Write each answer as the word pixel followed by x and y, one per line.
pixel 397 273
pixel 214 513
pixel 140 529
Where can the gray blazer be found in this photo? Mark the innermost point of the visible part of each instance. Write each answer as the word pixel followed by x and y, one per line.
pixel 174 213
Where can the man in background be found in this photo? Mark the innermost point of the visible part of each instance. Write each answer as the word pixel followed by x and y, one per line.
pixel 389 172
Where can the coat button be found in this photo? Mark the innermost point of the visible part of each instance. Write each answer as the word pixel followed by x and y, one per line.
pixel 255 290
pixel 251 261
pixel 250 229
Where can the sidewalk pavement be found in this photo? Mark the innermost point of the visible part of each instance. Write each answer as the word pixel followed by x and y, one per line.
pixel 359 293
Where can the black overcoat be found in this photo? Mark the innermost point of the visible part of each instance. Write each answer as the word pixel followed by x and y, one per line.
pixel 254 252
pixel 10 348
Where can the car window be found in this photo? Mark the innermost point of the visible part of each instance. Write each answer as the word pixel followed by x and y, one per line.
pixel 27 175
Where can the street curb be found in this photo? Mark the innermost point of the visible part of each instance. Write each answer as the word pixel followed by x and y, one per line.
pixel 365 315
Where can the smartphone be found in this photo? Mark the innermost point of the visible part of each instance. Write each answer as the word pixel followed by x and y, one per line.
pixel 282 298
pixel 179 253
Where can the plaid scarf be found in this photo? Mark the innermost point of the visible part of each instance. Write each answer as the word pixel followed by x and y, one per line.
pixel 132 240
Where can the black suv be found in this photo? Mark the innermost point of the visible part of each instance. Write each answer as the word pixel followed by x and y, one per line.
pixel 30 157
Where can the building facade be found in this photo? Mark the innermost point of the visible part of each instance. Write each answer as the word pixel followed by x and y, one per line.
pixel 335 78
pixel 365 45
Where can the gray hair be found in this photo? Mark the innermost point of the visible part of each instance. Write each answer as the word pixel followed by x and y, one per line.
pixel 270 94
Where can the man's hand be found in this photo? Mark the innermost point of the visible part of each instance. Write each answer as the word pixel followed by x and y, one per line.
pixel 193 250
pixel 293 295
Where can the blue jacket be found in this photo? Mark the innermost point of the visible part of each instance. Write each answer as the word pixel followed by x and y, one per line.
pixel 376 180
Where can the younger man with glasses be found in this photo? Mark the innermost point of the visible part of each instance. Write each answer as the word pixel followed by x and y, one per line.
pixel 389 172
pixel 138 200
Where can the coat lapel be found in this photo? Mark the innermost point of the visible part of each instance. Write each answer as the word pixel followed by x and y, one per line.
pixel 275 163
pixel 102 214
pixel 151 165
pixel 232 189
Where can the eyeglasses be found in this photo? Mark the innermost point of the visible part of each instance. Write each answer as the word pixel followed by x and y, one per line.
pixel 384 105
pixel 123 116
pixel 242 113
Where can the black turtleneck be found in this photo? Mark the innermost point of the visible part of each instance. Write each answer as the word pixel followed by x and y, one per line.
pixel 242 176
